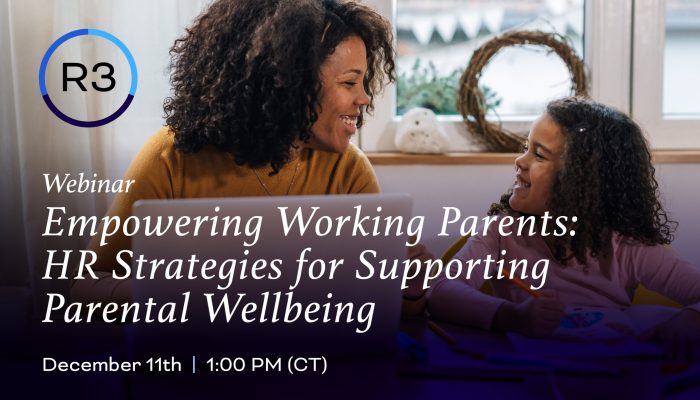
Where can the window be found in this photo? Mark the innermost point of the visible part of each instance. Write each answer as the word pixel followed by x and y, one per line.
pixel 681 77
pixel 665 97
pixel 435 40
pixel 646 68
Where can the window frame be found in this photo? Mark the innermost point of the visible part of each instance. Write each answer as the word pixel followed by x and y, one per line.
pixel 648 72
pixel 610 49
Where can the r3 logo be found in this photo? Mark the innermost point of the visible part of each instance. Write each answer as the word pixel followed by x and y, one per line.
pixel 76 73
pixel 83 73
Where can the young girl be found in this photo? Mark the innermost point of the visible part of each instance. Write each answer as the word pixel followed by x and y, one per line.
pixel 586 160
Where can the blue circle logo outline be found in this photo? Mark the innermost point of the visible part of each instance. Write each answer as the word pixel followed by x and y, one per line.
pixel 45 62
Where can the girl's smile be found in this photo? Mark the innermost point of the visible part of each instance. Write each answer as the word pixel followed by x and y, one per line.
pixel 520 183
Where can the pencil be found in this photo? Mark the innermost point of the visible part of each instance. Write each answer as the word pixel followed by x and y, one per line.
pixel 453 249
pixel 456 246
pixel 441 332
pixel 519 283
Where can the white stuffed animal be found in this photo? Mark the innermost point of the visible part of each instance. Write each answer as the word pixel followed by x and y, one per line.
pixel 419 131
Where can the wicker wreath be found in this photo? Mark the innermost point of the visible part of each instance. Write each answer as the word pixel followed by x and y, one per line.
pixel 471 102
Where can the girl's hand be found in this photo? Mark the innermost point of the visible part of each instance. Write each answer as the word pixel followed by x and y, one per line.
pixel 540 316
pixel 536 317
pixel 679 335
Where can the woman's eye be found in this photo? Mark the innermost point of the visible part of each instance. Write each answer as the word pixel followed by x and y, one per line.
pixel 539 156
pixel 350 83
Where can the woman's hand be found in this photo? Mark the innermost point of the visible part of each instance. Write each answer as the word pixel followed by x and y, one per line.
pixel 536 317
pixel 679 335
pixel 415 285
pixel 414 295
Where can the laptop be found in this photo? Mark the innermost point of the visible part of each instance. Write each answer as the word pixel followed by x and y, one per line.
pixel 270 274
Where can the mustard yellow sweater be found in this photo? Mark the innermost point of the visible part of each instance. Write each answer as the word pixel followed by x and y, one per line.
pixel 160 171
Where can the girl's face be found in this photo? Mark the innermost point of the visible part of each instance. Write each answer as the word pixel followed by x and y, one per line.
pixel 342 96
pixel 537 167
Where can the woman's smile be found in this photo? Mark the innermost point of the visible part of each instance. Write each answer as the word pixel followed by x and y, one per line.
pixel 350 122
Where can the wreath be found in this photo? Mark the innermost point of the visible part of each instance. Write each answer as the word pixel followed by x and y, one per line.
pixel 471 102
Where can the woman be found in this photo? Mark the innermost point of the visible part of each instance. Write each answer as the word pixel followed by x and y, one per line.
pixel 266 96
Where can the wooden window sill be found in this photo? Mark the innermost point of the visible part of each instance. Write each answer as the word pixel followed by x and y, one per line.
pixel 660 157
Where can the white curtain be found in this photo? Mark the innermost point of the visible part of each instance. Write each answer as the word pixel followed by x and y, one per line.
pixel 33 141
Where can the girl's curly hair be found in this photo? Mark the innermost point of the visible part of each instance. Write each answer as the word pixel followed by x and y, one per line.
pixel 607 180
pixel 245 77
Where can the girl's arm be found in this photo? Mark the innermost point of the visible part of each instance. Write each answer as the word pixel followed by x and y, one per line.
pixel 460 300
pixel 659 269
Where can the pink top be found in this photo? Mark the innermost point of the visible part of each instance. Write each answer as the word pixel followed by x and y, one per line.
pixel 609 281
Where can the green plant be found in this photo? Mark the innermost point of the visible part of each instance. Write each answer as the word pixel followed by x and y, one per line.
pixel 424 87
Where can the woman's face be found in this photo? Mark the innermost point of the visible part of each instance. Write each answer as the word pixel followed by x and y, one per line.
pixel 537 167
pixel 342 96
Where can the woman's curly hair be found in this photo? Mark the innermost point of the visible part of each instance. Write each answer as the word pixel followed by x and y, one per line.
pixel 245 77
pixel 607 180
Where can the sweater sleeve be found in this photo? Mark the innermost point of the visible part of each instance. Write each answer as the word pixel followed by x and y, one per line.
pixel 659 269
pixel 459 300
pixel 152 175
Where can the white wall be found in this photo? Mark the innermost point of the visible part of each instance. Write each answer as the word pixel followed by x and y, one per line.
pixel 472 188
